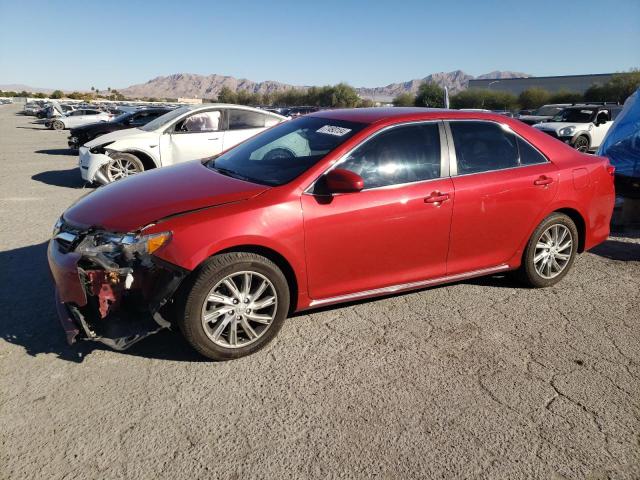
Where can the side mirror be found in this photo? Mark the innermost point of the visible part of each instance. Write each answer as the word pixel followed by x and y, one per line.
pixel 340 180
pixel 601 119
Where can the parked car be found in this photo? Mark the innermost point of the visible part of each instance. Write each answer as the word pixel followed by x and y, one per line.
pixel 186 133
pixel 138 118
pixel 78 118
pixel 582 126
pixel 331 207
pixel 543 114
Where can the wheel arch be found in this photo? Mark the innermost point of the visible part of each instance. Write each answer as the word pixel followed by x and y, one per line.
pixel 578 219
pixel 147 160
pixel 276 257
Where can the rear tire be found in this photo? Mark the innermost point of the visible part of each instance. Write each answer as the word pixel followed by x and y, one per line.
pixel 550 252
pixel 224 325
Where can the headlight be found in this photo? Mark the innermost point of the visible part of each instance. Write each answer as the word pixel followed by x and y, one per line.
pixel 567 131
pixel 100 148
pixel 128 244
pixel 57 226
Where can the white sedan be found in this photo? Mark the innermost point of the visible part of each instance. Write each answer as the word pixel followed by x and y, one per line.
pixel 188 133
pixel 78 118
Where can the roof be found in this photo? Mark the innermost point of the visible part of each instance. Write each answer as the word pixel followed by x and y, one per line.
pixel 399 114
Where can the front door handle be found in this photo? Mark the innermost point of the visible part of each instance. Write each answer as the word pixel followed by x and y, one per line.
pixel 216 138
pixel 543 180
pixel 437 197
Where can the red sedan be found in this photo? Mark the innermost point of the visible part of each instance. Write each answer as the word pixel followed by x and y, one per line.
pixel 331 207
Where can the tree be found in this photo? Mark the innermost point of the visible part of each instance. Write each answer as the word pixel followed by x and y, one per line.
pixel 57 94
pixel 226 95
pixel 404 100
pixel 430 94
pixel 533 98
pixel 618 89
pixel 564 96
pixel 343 96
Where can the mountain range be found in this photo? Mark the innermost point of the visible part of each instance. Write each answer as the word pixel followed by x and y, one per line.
pixel 191 85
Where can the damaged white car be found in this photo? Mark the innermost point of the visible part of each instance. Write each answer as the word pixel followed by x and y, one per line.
pixel 188 133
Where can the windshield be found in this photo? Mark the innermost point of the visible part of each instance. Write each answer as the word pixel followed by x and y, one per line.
pixel 281 153
pixel 575 115
pixel 164 119
pixel 547 111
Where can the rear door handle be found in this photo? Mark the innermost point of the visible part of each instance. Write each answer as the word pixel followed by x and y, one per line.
pixel 543 180
pixel 216 138
pixel 436 197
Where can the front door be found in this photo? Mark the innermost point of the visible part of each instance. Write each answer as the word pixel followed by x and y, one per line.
pixel 197 136
pixel 394 231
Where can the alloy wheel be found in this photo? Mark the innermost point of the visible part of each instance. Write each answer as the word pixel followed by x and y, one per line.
pixel 119 168
pixel 582 144
pixel 239 309
pixel 553 251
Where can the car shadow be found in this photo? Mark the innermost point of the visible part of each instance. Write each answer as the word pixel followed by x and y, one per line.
pixel 61 178
pixel 58 151
pixel 617 250
pixel 34 128
pixel 30 319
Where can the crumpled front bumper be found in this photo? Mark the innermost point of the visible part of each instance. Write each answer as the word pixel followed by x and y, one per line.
pixel 103 305
pixel 91 166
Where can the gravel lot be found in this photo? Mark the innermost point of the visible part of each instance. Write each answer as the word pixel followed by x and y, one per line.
pixel 481 379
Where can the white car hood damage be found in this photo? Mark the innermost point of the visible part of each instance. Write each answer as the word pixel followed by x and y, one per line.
pixel 119 135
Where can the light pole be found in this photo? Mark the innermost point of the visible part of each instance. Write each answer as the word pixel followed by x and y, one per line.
pixel 489 88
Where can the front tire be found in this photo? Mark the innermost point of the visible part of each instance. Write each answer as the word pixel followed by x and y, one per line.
pixel 122 165
pixel 550 252
pixel 234 305
pixel 581 144
pixel 57 125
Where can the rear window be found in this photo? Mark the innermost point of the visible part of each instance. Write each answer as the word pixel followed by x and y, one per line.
pixel 483 147
pixel 244 119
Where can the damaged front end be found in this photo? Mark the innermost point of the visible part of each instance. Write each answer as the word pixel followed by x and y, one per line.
pixel 109 286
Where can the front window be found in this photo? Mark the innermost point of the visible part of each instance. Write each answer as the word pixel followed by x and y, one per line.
pixel 547 111
pixel 405 154
pixel 576 115
pixel 164 119
pixel 208 121
pixel 282 153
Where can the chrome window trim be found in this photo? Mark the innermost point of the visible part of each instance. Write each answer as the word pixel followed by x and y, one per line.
pixel 504 126
pixel 444 158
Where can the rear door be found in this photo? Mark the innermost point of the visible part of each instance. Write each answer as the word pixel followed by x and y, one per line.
pixel 502 187
pixel 199 135
pixel 391 233
pixel 243 124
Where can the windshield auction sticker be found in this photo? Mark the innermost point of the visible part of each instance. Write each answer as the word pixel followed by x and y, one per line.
pixel 333 130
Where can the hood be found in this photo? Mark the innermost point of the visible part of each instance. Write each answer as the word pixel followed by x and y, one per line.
pixel 92 126
pixel 130 204
pixel 117 135
pixel 555 126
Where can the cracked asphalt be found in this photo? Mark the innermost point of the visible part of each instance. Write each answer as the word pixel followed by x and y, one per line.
pixel 480 379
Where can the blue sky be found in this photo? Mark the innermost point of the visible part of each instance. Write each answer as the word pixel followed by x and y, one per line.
pixel 79 44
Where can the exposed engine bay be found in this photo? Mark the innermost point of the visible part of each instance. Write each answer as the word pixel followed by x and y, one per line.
pixel 123 291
